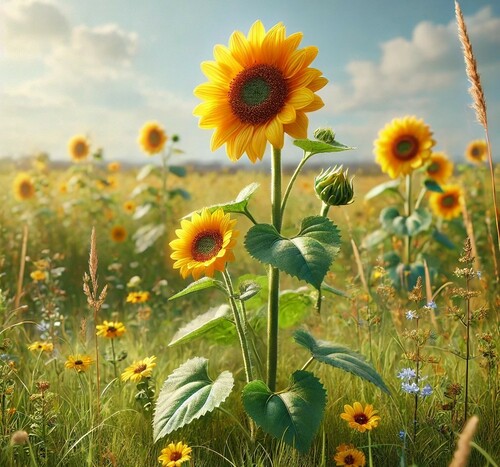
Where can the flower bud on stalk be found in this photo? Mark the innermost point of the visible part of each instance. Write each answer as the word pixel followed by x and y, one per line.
pixel 333 187
pixel 327 135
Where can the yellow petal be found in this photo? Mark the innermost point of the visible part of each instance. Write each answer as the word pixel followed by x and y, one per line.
pixel 275 134
pixel 300 98
pixel 240 48
pixel 298 129
pixel 287 114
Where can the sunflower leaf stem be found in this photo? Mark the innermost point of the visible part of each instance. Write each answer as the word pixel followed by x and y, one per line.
pixel 324 213
pixel 307 364
pixel 407 214
pixel 252 219
pixel 274 274
pixel 420 197
pixel 295 174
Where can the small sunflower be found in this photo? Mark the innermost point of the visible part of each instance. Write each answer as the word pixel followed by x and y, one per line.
pixel 79 148
pixel 63 188
pixel 477 151
pixel 41 346
pixel 152 138
pixel 403 145
pixel 139 370
pixel 204 244
pixel 129 206
pixel 360 419
pixel 118 233
pixel 347 454
pixel 80 363
pixel 111 329
pixel 260 87
pixel 175 454
pixel 138 297
pixel 38 275
pixel 114 167
pixel 440 168
pixel 23 187
pixel 448 204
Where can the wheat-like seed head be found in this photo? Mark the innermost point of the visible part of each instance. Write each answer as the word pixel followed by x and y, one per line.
pixel 463 446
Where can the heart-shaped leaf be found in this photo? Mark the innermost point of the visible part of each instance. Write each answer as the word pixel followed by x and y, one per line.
pixel 200 284
pixel 418 221
pixel 293 415
pixel 339 357
pixel 177 170
pixel 390 186
pixel 317 147
pixel 307 256
pixel 187 394
pixel 432 185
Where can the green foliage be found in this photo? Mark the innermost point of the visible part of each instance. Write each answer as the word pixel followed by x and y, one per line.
pixel 293 415
pixel 307 256
pixel 391 186
pixel 200 284
pixel 339 357
pixel 419 221
pixel 294 307
pixel 187 394
pixel 432 185
pixel 317 147
pixel 146 236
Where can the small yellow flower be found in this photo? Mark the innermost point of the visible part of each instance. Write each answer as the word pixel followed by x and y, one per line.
pixel 129 206
pixel 448 204
pixel 347 454
pixel 63 188
pixel 114 167
pixel 440 168
pixel 138 297
pixel 360 419
pixel 111 329
pixel 41 346
pixel 79 363
pixel 139 370
pixel 175 454
pixel 23 187
pixel 477 151
pixel 38 275
pixel 78 148
pixel 118 233
pixel 152 138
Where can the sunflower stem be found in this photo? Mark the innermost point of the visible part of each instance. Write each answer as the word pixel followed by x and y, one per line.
pixel 292 181
pixel 274 275
pixel 114 357
pixel 370 458
pixel 407 214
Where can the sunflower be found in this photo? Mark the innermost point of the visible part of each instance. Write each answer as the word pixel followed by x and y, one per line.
pixel 41 346
pixel 403 145
pixel 114 167
pixel 139 370
pixel 204 244
pixel 360 419
pixel 137 297
pixel 38 275
pixel 440 168
pixel 81 363
pixel 259 88
pixel 152 138
pixel 448 204
pixel 23 187
pixel 118 233
pixel 111 329
pixel 78 148
pixel 477 151
pixel 175 454
pixel 347 454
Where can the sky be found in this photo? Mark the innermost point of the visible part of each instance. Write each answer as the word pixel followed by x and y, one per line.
pixel 104 68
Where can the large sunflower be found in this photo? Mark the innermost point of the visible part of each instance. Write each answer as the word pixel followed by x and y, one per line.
pixel 477 151
pixel 152 138
pixel 259 88
pixel 403 145
pixel 360 419
pixel 448 204
pixel 204 244
pixel 23 187
pixel 78 148
pixel 440 168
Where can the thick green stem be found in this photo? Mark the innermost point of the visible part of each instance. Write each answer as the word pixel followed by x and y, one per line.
pixel 274 275
pixel 408 213
pixel 292 181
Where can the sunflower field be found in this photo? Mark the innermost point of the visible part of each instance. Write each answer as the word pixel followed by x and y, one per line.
pixel 160 314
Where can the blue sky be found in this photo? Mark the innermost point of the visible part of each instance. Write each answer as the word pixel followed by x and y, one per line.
pixel 103 68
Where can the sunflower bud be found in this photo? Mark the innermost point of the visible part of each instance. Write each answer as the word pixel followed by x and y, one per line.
pixel 333 187
pixel 327 135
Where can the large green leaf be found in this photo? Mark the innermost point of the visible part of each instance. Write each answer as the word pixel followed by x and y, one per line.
pixel 294 306
pixel 187 394
pixel 202 324
pixel 339 357
pixel 307 256
pixel 418 221
pixel 317 147
pixel 432 185
pixel 390 186
pixel 293 415
pixel 177 170
pixel 200 284
pixel 374 238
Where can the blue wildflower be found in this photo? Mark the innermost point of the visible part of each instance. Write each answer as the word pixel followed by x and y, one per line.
pixel 426 390
pixel 410 388
pixel 407 374
pixel 402 435
pixel 431 305
pixel 411 314
pixel 478 274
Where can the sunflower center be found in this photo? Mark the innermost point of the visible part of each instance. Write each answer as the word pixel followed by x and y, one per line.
pixel 111 329
pixel 80 148
pixel 25 189
pixel 78 362
pixel 433 168
pixel 405 147
pixel 448 201
pixel 349 459
pixel 175 456
pixel 206 245
pixel 140 368
pixel 360 418
pixel 476 152
pixel 258 94
pixel 154 137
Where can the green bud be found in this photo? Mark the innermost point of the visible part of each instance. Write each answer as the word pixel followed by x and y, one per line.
pixel 175 138
pixel 327 135
pixel 333 187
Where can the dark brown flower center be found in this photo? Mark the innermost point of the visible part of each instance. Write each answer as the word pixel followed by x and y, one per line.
pixel 433 168
pixel 258 94
pixel 26 188
pixel 140 368
pixel 360 418
pixel 476 151
pixel 349 459
pixel 154 137
pixel 78 362
pixel 175 456
pixel 405 147
pixel 111 329
pixel 448 201
pixel 206 245
pixel 80 149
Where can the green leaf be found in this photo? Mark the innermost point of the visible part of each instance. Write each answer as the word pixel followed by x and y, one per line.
pixel 317 147
pixel 419 221
pixel 146 171
pixel 339 357
pixel 293 415
pixel 307 256
pixel 202 324
pixel 238 205
pixel 200 284
pixel 147 235
pixel 293 306
pixel 374 238
pixel 443 239
pixel 333 290
pixel 179 192
pixel 248 289
pixel 187 394
pixel 391 186
pixel 177 170
pixel 432 185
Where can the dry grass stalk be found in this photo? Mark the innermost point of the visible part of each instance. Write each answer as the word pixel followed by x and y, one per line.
pixel 428 295
pixel 22 264
pixel 478 100
pixel 470 232
pixel 462 452
pixel 360 266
